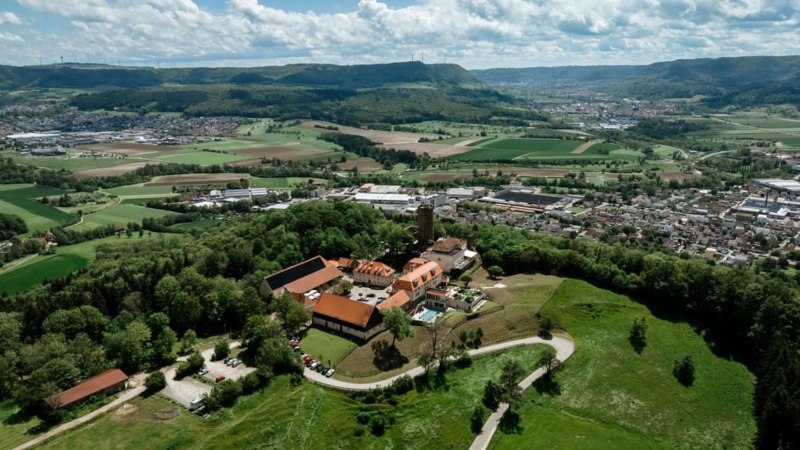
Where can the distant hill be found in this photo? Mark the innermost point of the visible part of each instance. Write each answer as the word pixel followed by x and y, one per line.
pixel 718 78
pixel 311 75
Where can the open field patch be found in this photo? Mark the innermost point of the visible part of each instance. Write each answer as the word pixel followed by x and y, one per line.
pixel 118 215
pixel 202 158
pixel 533 149
pixel 37 216
pixel 197 179
pixel 387 138
pixel 287 152
pixel 606 387
pixel 442 177
pixel 111 171
pixel 363 164
pixel 679 176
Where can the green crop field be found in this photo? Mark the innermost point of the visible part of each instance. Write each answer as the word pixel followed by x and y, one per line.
pixel 119 215
pixel 532 149
pixel 326 347
pixel 48 267
pixel 612 397
pixel 139 190
pixel 38 216
pixel 69 163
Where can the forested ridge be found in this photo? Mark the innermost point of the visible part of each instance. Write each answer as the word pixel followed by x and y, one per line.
pixel 136 298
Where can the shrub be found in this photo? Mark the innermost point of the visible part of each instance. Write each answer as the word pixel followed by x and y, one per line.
pixel 377 424
pixel 192 364
pixel 477 419
pixel 363 417
pixel 463 361
pixel 637 335
pixel 227 392
pixel 683 370
pixel 295 379
pixel 155 382
pixel 250 383
pixel 402 385
pixel 221 350
pixel 492 393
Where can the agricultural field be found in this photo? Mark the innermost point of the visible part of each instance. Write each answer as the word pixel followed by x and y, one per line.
pixel 280 182
pixel 616 397
pixel 533 149
pixel 120 214
pixel 21 275
pixel 21 200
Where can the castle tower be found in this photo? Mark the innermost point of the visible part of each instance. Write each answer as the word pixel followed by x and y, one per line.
pixel 424 225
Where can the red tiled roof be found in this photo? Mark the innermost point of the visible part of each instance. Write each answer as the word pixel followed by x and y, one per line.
pixel 375 268
pixel 413 262
pixel 344 309
pixel 399 299
pixel 91 386
pixel 413 279
pixel 446 245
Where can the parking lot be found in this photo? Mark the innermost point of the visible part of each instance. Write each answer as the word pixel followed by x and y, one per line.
pixel 185 390
pixel 362 293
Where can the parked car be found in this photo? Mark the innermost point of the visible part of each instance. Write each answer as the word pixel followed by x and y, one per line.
pixel 370 295
pixel 220 378
pixel 227 359
pixel 294 343
pixel 313 365
pixel 236 363
pixel 202 371
pixel 329 373
pixel 322 369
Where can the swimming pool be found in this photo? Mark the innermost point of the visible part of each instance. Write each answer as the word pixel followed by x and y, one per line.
pixel 428 315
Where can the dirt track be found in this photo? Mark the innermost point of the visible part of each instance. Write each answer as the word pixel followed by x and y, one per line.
pixel 583 147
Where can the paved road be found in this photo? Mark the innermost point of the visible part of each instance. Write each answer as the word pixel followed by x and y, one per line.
pixel 124 397
pixel 564 349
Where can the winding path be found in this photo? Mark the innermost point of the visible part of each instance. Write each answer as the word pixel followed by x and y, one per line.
pixel 564 347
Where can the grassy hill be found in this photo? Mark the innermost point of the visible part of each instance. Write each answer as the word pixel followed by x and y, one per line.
pixel 610 396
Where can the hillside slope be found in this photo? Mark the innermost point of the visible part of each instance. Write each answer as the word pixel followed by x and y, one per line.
pixel 351 77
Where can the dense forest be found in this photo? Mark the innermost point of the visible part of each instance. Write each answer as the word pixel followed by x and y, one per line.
pixel 364 147
pixel 344 106
pixel 665 129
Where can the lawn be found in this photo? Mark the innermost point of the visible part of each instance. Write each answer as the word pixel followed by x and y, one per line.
pixel 521 299
pixel 326 347
pixel 612 397
pixel 13 431
pixel 306 417
pixel 120 214
pixel 38 216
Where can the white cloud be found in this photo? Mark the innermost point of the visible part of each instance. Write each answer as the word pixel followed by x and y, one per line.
pixel 9 18
pixel 474 33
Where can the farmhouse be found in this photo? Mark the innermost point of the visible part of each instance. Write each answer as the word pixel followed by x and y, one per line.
pixel 347 316
pixel 108 382
pixel 419 278
pixel 450 253
pixel 373 273
pixel 304 281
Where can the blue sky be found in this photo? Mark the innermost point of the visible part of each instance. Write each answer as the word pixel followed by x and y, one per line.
pixel 473 33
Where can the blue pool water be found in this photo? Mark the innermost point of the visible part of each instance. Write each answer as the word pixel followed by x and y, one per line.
pixel 428 315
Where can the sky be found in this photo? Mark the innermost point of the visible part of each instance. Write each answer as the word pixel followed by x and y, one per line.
pixel 476 34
